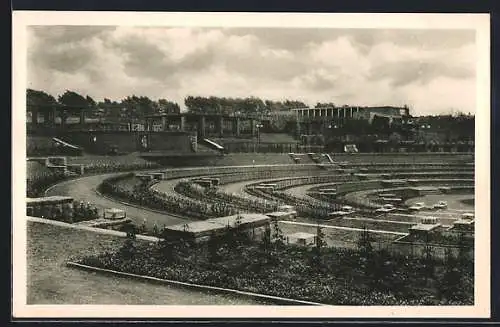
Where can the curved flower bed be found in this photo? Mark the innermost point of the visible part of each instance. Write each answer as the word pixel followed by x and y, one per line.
pixel 338 277
pixel 143 195
pixel 196 202
pixel 237 202
pixel 39 181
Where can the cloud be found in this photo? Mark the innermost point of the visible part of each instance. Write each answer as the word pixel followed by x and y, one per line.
pixel 421 72
pixel 344 66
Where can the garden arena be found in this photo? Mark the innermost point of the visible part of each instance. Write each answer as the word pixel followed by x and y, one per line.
pixel 342 193
pixel 246 201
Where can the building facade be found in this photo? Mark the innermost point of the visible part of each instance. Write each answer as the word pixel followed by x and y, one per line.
pixel 347 112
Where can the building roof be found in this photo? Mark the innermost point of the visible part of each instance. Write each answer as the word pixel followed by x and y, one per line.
pixel 339 213
pixel 385 209
pixel 424 227
pixel 352 106
pixel 218 223
pixel 114 210
pixel 55 198
pixel 463 222
pixel 394 181
pixel 278 213
pixel 424 188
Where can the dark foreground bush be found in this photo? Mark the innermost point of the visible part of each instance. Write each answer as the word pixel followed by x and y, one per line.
pixel 324 275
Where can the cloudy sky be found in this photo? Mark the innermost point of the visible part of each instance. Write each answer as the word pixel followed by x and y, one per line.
pixel 433 71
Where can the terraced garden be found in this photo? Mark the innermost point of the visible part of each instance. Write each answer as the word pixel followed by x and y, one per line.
pixel 294 184
pixel 180 195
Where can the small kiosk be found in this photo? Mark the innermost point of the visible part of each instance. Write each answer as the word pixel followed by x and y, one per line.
pixel 114 214
pixel 301 238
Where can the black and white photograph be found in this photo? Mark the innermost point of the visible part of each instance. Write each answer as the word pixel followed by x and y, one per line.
pixel 251 165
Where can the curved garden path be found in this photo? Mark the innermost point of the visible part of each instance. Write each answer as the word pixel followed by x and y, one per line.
pixel 84 189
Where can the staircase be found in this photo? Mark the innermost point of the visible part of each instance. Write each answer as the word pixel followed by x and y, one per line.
pixel 213 145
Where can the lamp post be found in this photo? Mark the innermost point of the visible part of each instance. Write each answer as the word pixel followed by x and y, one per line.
pixel 332 128
pixel 258 126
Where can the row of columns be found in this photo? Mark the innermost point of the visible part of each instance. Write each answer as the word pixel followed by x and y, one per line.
pixel 347 112
pixel 219 125
pixel 50 115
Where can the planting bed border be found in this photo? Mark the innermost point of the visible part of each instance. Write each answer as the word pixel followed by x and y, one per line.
pixel 190 285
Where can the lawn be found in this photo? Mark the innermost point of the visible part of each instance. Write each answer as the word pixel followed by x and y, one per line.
pixel 50 281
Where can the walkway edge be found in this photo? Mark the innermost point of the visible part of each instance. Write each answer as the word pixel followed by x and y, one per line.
pixel 190 285
pixel 110 198
pixel 90 229
pixel 340 227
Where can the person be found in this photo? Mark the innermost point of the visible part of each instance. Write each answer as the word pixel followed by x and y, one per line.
pixel 95 212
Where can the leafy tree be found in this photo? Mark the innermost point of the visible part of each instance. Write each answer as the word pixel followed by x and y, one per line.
pixel 293 104
pixel 34 97
pixel 137 107
pixel 399 279
pixel 365 243
pixel 450 285
pixel 128 249
pixel 213 245
pixel 111 108
pixel 380 269
pixel 395 138
pixel 228 237
pixel 266 239
pixel 463 256
pixel 73 99
pixel 380 124
pixel 91 102
pixel 320 238
pixel 131 231
pixel 368 262
pixel 168 106
pixel 316 251
pixel 168 247
pixel 325 105
pixel 243 105
pixel 278 236
pixel 428 260
pixel 240 235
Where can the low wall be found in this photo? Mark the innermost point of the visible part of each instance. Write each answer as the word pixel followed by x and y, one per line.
pixel 102 141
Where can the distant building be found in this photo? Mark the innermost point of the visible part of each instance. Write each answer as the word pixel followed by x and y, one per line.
pixel 423 229
pixel 463 225
pixel 348 112
pixel 63 203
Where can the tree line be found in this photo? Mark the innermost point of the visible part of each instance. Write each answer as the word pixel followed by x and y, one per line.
pixel 137 106
pixel 250 105
pixel 129 107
